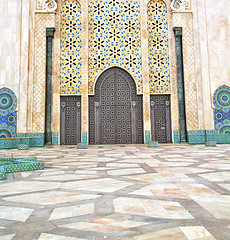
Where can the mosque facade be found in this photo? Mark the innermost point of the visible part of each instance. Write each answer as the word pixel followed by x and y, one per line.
pixel 115 71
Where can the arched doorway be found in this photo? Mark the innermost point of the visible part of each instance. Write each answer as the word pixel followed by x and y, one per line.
pixel 115 111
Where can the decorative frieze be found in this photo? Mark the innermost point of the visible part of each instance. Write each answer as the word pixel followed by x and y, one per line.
pixel 181 5
pixel 46 5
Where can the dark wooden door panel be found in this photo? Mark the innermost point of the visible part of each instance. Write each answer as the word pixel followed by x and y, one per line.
pixel 161 118
pixel 70 120
pixel 115 112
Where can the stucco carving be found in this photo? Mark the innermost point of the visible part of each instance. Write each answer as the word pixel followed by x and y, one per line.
pixel 181 5
pixel 46 5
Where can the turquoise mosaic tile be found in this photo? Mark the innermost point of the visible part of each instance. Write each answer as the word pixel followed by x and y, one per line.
pixel 201 136
pixel 196 137
pixel 147 137
pixel 82 146
pixel 55 137
pixel 11 165
pixel 84 137
pixel 176 137
pixel 8 113
pixel 221 100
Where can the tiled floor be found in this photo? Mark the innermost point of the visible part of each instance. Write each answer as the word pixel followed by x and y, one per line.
pixel 128 192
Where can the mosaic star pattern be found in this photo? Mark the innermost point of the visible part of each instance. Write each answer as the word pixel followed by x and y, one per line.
pixel 114 38
pixel 71 48
pixel 221 100
pixel 119 192
pixel 8 114
pixel 158 47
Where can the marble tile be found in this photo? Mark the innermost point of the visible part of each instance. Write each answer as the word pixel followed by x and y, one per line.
pixel 217 176
pixel 150 208
pixel 60 199
pixel 175 190
pixel 52 197
pixel 26 186
pixel 86 172
pixel 104 225
pixel 196 232
pixel 216 166
pixel 226 186
pixel 65 177
pixel 47 236
pixel 7 237
pixel 25 174
pixel 72 211
pixel 126 171
pixel 103 185
pixel 168 234
pixel 122 165
pixel 217 205
pixel 15 213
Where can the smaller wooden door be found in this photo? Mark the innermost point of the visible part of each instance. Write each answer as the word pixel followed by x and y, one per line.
pixel 161 118
pixel 70 120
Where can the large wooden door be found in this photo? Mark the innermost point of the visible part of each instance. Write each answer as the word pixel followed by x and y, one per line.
pixel 161 118
pixel 115 112
pixel 70 120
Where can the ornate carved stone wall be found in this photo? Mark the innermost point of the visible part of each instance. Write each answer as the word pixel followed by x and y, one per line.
pixel 114 38
pixel 158 47
pixel 185 20
pixel 71 62
pixel 42 21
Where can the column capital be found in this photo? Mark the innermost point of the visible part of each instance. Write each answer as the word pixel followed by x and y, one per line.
pixel 50 32
pixel 177 31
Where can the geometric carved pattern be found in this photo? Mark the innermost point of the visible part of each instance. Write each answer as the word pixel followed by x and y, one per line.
pixel 185 20
pixel 114 38
pixel 158 47
pixel 8 114
pixel 42 21
pixel 160 118
pixel 221 100
pixel 115 111
pixel 71 48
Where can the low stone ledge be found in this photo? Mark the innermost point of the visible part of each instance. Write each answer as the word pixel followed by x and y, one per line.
pixel 82 146
pixel 153 144
pixel 210 143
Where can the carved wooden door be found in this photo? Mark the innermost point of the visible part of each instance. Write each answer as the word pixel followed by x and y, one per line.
pixel 116 115
pixel 70 120
pixel 161 118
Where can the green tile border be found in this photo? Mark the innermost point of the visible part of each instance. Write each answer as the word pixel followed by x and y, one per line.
pixel 32 139
pixel 201 136
pixel 19 165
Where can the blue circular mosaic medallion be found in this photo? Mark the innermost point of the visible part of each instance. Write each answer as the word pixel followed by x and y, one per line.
pixel 11 119
pixel 8 101
pixel 222 97
pixel 225 130
pixel 5 133
pixel 219 116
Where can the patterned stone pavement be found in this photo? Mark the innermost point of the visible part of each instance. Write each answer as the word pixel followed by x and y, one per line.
pixel 127 192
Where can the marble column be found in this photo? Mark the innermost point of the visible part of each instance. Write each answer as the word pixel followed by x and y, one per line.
pixel 49 41
pixel 85 66
pixel 145 69
pixel 180 75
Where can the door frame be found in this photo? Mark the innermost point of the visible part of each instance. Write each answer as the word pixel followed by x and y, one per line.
pixel 168 122
pixel 96 99
pixel 63 120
